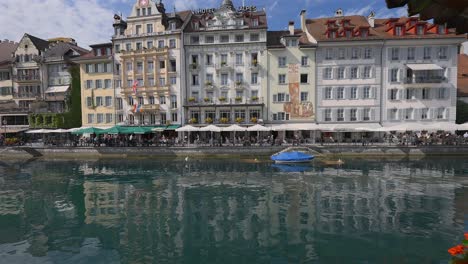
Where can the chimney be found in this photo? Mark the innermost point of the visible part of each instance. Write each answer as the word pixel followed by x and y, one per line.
pixel 371 19
pixel 291 27
pixel 303 20
pixel 339 13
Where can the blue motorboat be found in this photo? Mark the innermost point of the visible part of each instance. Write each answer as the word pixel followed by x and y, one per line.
pixel 292 157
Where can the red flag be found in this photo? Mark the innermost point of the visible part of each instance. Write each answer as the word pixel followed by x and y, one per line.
pixel 135 106
pixel 134 87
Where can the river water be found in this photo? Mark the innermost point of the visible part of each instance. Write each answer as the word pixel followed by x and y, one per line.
pixel 231 211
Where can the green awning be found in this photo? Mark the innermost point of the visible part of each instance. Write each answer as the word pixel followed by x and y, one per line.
pixel 137 130
pixel 172 127
pixel 117 130
pixel 89 130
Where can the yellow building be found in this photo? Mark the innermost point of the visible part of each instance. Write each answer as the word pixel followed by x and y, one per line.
pixel 98 100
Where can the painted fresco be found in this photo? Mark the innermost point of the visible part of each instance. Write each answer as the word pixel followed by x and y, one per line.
pixel 296 108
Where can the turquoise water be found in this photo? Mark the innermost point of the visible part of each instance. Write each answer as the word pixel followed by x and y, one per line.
pixel 231 211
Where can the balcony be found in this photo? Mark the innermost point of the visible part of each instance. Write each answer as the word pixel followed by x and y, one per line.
pixel 26 95
pixel 147 89
pixel 254 66
pixel 239 85
pixel 150 108
pixel 425 80
pixel 27 78
pixel 194 67
pixel 224 67
pixel 144 51
pixel 209 86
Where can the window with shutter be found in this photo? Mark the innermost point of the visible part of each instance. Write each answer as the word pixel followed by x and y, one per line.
pixel 275 98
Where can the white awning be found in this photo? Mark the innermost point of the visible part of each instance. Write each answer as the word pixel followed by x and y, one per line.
pixel 424 67
pixel 211 128
pixel 57 89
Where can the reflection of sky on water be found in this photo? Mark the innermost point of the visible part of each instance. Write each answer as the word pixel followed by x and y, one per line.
pixel 144 211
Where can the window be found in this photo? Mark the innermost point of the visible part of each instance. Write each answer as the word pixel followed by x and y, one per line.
pixel 129 66
pixel 119 104
pixel 304 78
pixel 409 114
pixel 340 115
pixel 163 118
pixel 224 39
pixel 162 81
pixel 393 94
pixel 420 29
pixel 173 80
pixel 281 116
pixel 355 53
pixel 89 84
pixel 239 38
pixel 304 61
pixel 442 93
pixel 172 25
pixel 354 72
pixel 209 39
pixel 151 100
pixel 282 62
pixel 162 64
pixel 282 79
pixel 162 100
pixel 239 59
pixel 353 115
pixel 161 44
pixel 354 92
pixel 367 92
pixel 130 100
pixel 393 114
pixel 117 48
pixel 304 96
pixel 427 53
pixel 254 78
pixel 328 54
pixel 240 94
pixel 440 113
pixel 149 28
pixel 328 93
pixel 411 53
pixel 255 22
pixel 327 115
pixel 141 100
pixel 442 53
pixel 209 59
pixel 394 75
pixel 90 118
pixel 174 117
pixel 224 79
pixel 398 31
pixel 138 29
pixel 368 53
pixel 367 72
pixel 150 66
pixel 441 29
pixel 332 34
pixel 149 44
pixel 348 33
pixel 109 118
pixel 209 77
pixel 424 113
pixel 239 77
pixel 98 101
pixel 395 53
pixel 281 97
pixel 107 83
pixel 224 59
pixel 151 82
pixel 89 101
pixel 340 93
pixel 327 74
pixel 254 37
pixel 98 84
pixel 366 114
pixel 341 54
pixel 410 94
pixel 128 46
pixel 172 43
pixel 426 93
pixel 173 101
pixel 194 40
pixel 341 73
pixel 139 67
pixel 195 80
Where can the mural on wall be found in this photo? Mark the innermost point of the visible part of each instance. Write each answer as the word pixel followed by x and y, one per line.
pixel 296 108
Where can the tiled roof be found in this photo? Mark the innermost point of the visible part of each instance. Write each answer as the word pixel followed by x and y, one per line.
pixel 274 38
pixel 320 27
pixel 451 12
pixel 462 75
pixel 385 28
pixel 40 44
pixel 6 49
pixel 60 49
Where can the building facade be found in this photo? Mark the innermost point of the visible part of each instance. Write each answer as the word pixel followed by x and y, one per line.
pixel 99 100
pixel 419 71
pixel 291 77
pixel 348 69
pixel 226 66
pixel 148 64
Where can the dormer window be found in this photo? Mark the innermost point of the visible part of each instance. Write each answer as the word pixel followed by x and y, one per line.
pixel 346 23
pixel 348 33
pixel 143 11
pixel 398 30
pixel 138 12
pixel 98 52
pixel 196 26
pixel 420 30
pixel 364 33
pixel 292 43
pixel 172 26
pixel 332 34
pixel 149 11
pixel 239 22
pixel 441 29
pixel 255 22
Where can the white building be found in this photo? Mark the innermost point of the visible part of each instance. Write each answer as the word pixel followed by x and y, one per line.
pixel 348 65
pixel 148 51
pixel 419 71
pixel 225 53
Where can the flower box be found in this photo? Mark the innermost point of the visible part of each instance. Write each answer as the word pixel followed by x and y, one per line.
pixel 208 120
pixel 224 120
pixel 239 120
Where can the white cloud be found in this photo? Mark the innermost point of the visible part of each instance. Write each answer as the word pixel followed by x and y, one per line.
pixel 87 21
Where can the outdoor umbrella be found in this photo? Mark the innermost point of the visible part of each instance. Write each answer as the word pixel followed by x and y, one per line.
pixel 188 128
pixel 115 130
pixel 90 130
pixel 211 128
pixel 140 130
pixel 234 128
pixel 38 131
pixel 258 128
pixel 445 126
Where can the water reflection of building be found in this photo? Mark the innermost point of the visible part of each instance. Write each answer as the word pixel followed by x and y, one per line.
pixel 11 202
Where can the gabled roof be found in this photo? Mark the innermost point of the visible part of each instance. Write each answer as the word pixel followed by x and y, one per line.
pixel 61 49
pixel 40 44
pixel 274 38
